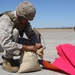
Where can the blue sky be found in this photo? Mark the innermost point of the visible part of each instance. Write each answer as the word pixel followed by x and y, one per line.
pixel 49 13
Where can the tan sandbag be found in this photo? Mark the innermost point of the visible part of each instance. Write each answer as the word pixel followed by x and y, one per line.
pixel 29 62
pixel 40 52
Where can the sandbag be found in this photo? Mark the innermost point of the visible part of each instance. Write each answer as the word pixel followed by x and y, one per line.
pixel 29 62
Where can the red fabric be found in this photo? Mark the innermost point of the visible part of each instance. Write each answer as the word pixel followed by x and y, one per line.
pixel 49 66
pixel 66 60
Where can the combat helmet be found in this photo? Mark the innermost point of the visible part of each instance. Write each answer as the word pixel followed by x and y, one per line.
pixel 26 9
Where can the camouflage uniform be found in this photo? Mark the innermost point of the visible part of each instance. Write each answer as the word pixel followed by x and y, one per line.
pixel 12 32
pixel 10 37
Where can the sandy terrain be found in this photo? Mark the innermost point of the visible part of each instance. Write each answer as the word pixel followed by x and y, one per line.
pixel 52 38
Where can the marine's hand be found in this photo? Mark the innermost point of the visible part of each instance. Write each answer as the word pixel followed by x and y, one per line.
pixel 38 45
pixel 29 48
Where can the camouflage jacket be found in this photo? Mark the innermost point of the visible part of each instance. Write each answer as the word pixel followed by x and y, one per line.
pixel 7 24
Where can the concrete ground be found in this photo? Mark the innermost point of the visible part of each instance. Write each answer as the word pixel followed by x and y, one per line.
pixel 52 38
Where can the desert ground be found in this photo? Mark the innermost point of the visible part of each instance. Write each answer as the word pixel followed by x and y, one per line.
pixel 51 39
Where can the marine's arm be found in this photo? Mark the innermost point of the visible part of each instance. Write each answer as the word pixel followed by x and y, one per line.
pixel 6 37
pixel 32 36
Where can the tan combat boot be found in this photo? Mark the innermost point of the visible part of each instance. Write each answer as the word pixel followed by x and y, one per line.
pixel 10 65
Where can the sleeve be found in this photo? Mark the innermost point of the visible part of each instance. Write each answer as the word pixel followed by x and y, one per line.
pixel 31 34
pixel 6 34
